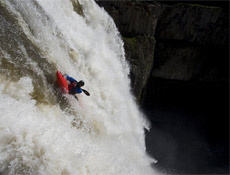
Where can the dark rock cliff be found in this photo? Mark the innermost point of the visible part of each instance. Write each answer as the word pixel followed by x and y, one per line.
pixel 170 45
pixel 191 55
pixel 137 23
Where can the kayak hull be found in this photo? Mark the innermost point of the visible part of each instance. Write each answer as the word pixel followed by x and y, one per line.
pixel 62 83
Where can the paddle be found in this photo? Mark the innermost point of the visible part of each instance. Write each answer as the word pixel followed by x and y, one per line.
pixel 86 92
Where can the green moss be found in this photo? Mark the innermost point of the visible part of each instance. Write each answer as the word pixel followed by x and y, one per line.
pixel 130 41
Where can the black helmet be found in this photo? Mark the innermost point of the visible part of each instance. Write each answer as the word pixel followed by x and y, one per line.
pixel 80 83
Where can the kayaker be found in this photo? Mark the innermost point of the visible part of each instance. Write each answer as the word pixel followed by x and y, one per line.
pixel 74 85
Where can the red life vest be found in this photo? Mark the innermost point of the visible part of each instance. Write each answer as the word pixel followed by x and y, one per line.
pixel 72 85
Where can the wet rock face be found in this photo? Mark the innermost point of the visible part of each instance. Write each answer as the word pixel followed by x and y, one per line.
pixel 140 57
pixel 191 57
pixel 181 42
pixel 191 43
pixel 181 61
pixel 137 23
pixel 203 25
pixel 133 18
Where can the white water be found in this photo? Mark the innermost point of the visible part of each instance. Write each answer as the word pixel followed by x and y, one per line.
pixel 100 134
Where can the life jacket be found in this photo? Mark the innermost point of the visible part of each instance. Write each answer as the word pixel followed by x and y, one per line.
pixel 72 85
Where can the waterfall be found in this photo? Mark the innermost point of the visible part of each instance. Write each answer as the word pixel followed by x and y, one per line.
pixel 45 132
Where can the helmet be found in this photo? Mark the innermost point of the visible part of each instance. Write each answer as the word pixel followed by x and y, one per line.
pixel 81 83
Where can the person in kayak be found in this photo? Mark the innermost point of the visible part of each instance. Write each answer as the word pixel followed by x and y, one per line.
pixel 74 85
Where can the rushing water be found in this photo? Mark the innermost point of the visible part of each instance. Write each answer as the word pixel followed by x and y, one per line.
pixel 45 132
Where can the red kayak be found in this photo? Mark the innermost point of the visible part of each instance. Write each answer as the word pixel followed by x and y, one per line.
pixel 62 83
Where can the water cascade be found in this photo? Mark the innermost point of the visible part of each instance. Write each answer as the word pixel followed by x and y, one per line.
pixel 45 132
